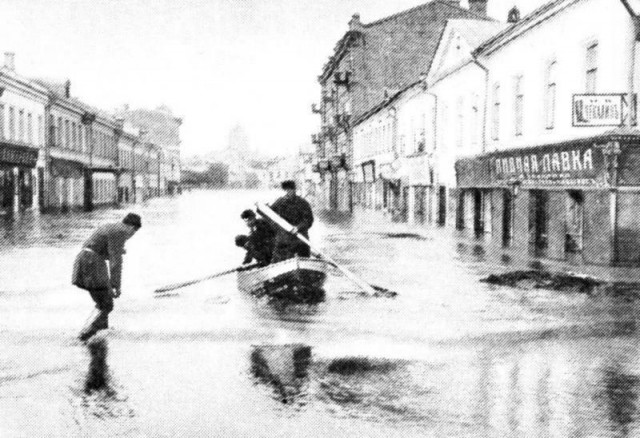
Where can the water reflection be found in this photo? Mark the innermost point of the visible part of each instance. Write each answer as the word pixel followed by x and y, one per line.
pixel 100 399
pixel 284 367
pixel 621 390
pixel 98 375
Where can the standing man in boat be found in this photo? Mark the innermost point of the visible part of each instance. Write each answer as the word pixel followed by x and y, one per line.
pixel 297 212
pixel 90 271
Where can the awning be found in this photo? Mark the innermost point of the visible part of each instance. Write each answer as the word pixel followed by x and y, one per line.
pixel 66 168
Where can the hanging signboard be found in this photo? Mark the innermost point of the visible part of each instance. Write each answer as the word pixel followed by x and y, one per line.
pixel 600 109
pixel 369 171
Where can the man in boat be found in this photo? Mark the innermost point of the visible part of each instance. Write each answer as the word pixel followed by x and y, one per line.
pixel 261 237
pixel 261 255
pixel 90 271
pixel 297 211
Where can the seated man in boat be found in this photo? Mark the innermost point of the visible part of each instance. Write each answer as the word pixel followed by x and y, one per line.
pixel 297 211
pixel 260 255
pixel 261 235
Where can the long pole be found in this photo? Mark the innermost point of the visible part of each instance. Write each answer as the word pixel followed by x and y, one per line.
pixel 267 211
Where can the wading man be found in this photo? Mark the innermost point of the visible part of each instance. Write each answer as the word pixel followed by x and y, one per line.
pixel 297 212
pixel 90 270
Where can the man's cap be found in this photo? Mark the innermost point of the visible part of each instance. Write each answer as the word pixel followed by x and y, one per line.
pixel 132 219
pixel 241 240
pixel 288 185
pixel 247 214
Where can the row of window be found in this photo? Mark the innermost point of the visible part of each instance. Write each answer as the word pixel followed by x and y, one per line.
pixel 551 82
pixel 17 124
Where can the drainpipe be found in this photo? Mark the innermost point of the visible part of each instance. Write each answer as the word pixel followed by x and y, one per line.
pixel 486 102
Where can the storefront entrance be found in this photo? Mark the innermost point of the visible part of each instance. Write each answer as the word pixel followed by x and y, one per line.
pixel 6 188
pixel 575 214
pixel 420 204
pixel 507 218
pixel 538 221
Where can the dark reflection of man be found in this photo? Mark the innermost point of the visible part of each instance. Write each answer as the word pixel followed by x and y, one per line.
pixel 98 375
pixel 285 367
pixel 621 391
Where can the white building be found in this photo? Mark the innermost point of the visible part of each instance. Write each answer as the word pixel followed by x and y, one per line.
pixel 559 174
pixel 22 112
pixel 458 84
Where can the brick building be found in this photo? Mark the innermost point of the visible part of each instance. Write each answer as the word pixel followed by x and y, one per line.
pixel 162 129
pixel 369 62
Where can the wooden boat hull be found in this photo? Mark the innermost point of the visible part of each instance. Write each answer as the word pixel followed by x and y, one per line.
pixel 297 279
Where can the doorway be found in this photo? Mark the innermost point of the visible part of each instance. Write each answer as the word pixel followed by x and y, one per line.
pixel 507 218
pixel 478 212
pixel 538 220
pixel 575 222
pixel 442 205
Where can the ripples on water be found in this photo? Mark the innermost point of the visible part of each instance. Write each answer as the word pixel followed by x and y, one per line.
pixel 448 357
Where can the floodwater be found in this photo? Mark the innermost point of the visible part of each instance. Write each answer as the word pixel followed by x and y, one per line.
pixel 449 356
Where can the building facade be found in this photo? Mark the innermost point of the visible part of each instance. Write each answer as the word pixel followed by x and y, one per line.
pixel 559 176
pixel 370 62
pixel 22 111
pixel 162 129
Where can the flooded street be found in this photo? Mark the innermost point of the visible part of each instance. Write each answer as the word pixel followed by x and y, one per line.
pixel 449 356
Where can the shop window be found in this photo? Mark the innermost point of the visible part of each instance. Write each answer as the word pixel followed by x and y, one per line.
pixel 495 116
pixel 550 96
pixel 67 135
pixel 575 217
pixel 40 140
pixel 475 120
pixel 460 213
pixel 12 123
pixel 21 133
pixel 60 132
pixel 592 67
pixel 518 106
pixel 30 128
pixel 459 122
pixel 1 122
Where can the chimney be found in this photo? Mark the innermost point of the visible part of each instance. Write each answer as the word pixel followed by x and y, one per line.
pixel 10 61
pixel 355 25
pixel 514 15
pixel 67 89
pixel 478 7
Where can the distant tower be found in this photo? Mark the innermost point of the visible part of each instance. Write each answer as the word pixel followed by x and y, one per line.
pixel 238 141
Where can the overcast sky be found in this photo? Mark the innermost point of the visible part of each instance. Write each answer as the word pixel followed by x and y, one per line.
pixel 217 63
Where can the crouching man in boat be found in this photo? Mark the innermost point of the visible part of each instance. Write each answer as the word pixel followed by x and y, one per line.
pixel 259 242
pixel 90 271
pixel 297 211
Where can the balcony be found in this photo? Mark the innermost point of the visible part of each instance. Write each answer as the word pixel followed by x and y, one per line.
pixel 342 79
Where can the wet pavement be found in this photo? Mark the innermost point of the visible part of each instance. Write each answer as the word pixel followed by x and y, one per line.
pixel 449 356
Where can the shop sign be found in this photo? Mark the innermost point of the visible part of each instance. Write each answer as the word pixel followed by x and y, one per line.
pixel 599 109
pixel 419 170
pixel 369 171
pixel 550 165
pixel 17 155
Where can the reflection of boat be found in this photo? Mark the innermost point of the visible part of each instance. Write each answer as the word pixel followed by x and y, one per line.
pixel 283 366
pixel 297 279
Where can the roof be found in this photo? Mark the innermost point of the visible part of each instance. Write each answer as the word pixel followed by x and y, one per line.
pixel 437 6
pixel 632 6
pixel 475 32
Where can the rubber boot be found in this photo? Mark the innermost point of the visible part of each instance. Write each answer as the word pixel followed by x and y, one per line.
pixel 98 320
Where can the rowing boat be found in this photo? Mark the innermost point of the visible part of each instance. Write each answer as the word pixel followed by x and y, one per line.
pixel 297 279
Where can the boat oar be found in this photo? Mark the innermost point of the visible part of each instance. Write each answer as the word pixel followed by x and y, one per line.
pixel 268 212
pixel 175 286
